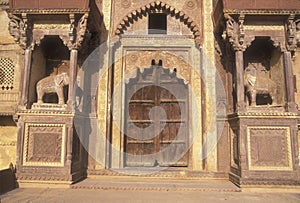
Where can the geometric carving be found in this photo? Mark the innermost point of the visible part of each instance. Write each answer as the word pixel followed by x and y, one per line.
pixel 7 69
pixel 269 148
pixel 44 145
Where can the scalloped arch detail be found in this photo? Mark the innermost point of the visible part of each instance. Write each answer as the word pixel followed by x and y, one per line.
pixel 142 11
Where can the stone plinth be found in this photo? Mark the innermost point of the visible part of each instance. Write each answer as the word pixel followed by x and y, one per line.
pixel 264 149
pixel 48 148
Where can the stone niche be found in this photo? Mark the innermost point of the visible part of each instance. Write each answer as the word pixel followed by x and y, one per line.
pixel 263 74
pixel 50 58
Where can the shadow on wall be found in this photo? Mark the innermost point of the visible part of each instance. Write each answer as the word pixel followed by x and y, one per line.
pixel 8 179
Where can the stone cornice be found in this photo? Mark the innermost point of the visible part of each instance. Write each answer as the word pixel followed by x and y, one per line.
pixel 48 11
pixel 262 11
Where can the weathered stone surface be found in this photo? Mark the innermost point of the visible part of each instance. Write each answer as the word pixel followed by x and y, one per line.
pixel 8 144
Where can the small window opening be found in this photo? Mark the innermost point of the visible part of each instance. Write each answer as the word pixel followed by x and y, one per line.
pixel 157 23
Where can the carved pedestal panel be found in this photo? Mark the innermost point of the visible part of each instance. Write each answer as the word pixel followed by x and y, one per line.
pixel 264 149
pixel 48 148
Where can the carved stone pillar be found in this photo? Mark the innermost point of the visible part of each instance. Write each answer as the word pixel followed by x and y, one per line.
pixel 289 81
pixel 72 77
pixel 234 33
pixel 239 81
pixel 25 78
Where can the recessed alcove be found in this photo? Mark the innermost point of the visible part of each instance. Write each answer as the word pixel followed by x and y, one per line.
pixel 50 58
pixel 263 73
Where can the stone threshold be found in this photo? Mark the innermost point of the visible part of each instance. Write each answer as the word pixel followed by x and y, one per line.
pixel 155 184
pixel 160 172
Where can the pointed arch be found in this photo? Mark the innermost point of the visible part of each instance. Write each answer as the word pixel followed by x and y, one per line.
pixel 143 11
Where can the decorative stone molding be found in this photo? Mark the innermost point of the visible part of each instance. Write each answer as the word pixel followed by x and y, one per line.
pixel 49 11
pixel 297 22
pixel 50 139
pixel 18 28
pixel 263 11
pixel 235 33
pixel 291 33
pixel 170 61
pixel 72 34
pixel 262 157
pixel 128 19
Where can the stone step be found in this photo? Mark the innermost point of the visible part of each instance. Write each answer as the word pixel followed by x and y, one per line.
pixel 156 184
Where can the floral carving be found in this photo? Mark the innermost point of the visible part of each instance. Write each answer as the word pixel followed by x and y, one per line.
pixel 291 33
pixel 234 32
pixel 18 29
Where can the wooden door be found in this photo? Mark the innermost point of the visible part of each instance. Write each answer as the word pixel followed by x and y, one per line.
pixel 156 124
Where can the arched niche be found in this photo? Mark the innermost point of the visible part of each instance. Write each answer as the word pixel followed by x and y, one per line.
pixel 51 57
pixel 177 21
pixel 268 62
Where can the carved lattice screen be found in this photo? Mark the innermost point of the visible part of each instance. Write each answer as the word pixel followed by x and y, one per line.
pixel 6 74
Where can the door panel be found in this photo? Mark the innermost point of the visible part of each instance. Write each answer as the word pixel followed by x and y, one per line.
pixel 151 136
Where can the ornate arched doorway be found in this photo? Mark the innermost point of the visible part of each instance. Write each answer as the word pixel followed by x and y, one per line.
pixel 156 122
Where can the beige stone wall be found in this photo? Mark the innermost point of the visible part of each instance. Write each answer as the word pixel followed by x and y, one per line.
pixel 8 140
pixel 9 50
pixel 8 98
pixel 296 71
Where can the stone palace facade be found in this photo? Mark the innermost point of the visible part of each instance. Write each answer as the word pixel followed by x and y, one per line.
pixel 191 88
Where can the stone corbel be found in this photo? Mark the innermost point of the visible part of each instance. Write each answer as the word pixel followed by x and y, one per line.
pixel 234 32
pixel 19 28
pixel 291 33
pixel 278 42
pixel 76 33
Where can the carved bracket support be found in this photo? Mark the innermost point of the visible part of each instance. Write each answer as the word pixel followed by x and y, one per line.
pixel 19 28
pixel 77 34
pixel 27 35
pixel 291 33
pixel 234 32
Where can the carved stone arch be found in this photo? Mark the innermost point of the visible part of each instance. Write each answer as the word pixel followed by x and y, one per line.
pixel 170 61
pixel 279 43
pixel 142 11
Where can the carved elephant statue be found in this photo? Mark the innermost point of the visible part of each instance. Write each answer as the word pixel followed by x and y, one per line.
pixel 258 85
pixel 52 84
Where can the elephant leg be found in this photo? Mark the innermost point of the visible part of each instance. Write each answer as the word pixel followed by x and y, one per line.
pixel 40 95
pixel 253 98
pixel 273 97
pixel 60 95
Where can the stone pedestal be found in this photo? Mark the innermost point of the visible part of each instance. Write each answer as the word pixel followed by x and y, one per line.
pixel 48 147
pixel 264 149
